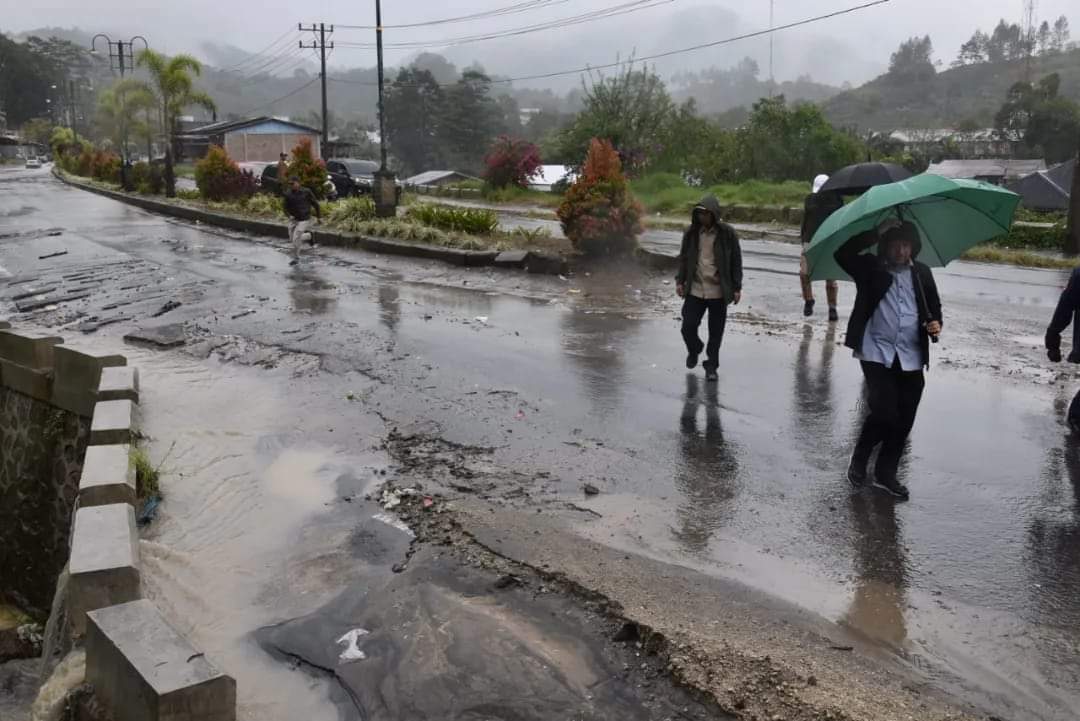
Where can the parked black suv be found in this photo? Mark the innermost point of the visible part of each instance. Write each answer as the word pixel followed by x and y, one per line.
pixel 354 177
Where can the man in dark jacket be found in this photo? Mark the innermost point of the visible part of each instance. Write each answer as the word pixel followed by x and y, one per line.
pixel 299 203
pixel 816 208
pixel 897 311
pixel 1067 307
pixel 709 278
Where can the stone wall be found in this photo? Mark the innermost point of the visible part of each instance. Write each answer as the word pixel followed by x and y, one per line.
pixel 47 396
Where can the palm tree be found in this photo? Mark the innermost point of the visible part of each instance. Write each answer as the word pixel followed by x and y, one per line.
pixel 173 86
pixel 118 116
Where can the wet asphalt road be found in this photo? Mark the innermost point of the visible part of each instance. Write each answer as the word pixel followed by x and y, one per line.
pixel 975 582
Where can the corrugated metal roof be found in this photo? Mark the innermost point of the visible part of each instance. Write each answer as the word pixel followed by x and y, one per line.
pixel 989 168
pixel 228 126
pixel 1046 189
pixel 434 176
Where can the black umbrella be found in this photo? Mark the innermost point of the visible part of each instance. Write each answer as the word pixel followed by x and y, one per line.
pixel 859 178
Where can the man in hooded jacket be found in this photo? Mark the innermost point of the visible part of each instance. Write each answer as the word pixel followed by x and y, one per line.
pixel 710 277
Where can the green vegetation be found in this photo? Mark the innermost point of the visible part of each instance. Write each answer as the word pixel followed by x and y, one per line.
pixel 147 475
pixel 599 214
pixel 1023 258
pixel 474 221
pixel 669 193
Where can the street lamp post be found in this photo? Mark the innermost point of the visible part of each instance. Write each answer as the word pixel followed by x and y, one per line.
pixel 385 186
pixel 120 55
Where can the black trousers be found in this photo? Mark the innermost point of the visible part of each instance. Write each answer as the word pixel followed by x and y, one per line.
pixel 693 311
pixel 894 396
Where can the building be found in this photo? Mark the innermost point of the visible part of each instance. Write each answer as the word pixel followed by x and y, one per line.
pixel 440 178
pixel 984 143
pixel 549 175
pixel 1047 190
pixel 998 171
pixel 255 140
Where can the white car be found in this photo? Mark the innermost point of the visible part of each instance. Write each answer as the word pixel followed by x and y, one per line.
pixel 33 163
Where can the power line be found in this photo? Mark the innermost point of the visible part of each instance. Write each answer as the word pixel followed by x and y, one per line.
pixel 308 84
pixel 255 58
pixel 668 53
pixel 273 64
pixel 498 12
pixel 601 13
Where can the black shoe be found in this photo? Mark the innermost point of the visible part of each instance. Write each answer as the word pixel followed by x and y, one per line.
pixel 294 261
pixel 808 308
pixel 1073 357
pixel 892 486
pixel 691 359
pixel 856 474
pixel 711 375
pixel 833 315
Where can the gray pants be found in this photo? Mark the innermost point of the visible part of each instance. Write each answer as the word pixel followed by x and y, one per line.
pixel 298 229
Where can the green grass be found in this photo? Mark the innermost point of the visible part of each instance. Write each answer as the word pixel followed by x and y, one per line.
pixel 667 193
pixel 184 170
pixel 521 196
pixel 1022 258
pixel 147 475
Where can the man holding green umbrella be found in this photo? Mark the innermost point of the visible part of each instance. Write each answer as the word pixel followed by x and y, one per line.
pixel 916 223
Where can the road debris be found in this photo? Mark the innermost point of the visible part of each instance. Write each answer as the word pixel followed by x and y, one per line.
pixel 352 650
pixel 52 255
pixel 169 306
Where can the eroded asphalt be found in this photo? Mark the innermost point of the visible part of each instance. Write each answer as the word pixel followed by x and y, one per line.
pixel 722 520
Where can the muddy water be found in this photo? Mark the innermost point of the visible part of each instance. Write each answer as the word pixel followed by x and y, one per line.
pixel 233 548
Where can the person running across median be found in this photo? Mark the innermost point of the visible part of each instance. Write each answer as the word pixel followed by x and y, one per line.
pixel 817 207
pixel 897 310
pixel 299 203
pixel 709 278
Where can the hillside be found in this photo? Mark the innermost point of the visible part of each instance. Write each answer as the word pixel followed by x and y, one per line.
pixel 971 93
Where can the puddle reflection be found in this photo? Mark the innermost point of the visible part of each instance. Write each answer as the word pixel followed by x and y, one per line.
pixel 877 607
pixel 708 473
pixel 310 292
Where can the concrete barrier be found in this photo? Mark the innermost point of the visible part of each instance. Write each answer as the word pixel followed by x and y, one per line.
pixel 114 422
pixel 76 377
pixel 108 476
pixel 119 383
pixel 104 564
pixel 142 669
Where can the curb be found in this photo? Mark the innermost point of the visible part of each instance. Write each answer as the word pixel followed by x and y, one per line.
pixel 451 256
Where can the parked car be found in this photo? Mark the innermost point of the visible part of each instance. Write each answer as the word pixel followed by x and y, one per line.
pixel 355 177
pixel 33 162
pixel 270 183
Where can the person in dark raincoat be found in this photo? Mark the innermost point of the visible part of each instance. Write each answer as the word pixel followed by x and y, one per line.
pixel 1064 313
pixel 709 278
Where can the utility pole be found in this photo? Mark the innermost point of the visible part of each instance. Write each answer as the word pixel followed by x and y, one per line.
pixel 72 109
pixel 121 51
pixel 1072 229
pixel 385 190
pixel 1027 36
pixel 321 46
pixel 772 16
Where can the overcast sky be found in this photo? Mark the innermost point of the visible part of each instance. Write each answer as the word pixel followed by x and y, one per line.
pixel 867 36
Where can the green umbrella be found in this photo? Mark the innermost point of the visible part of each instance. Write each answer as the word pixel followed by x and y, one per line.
pixel 951 215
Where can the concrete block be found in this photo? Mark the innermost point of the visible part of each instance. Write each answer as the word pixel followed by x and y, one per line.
pixel 34 383
pixel 108 476
pixel 512 259
pixel 142 669
pixel 114 422
pixel 76 376
pixel 32 351
pixel 119 383
pixel 104 564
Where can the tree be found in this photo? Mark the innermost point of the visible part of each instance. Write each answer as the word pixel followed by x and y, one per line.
pixel 172 84
pixel 25 80
pixel 1006 43
pixel 118 116
pixel 913 60
pixel 1054 129
pixel 1011 121
pixel 470 119
pixel 511 161
pixel 632 110
pixel 38 130
pixel 1060 36
pixel 413 104
pixel 974 50
pixel 1044 38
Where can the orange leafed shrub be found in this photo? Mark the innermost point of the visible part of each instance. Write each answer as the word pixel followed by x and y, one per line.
pixel 599 214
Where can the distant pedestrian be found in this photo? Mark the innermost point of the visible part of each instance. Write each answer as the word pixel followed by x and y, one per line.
pixel 897 310
pixel 282 172
pixel 299 204
pixel 709 278
pixel 1067 307
pixel 818 206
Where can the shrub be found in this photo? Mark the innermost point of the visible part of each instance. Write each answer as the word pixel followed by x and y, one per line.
pixel 475 221
pixel 1033 238
pixel 560 186
pixel 304 166
pixel 185 194
pixel 147 179
pixel 265 205
pixel 84 164
pixel 511 161
pixel 219 178
pixel 598 213
pixel 350 213
pixel 106 167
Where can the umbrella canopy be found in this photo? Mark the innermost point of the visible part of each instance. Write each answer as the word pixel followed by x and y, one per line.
pixel 951 215
pixel 858 178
